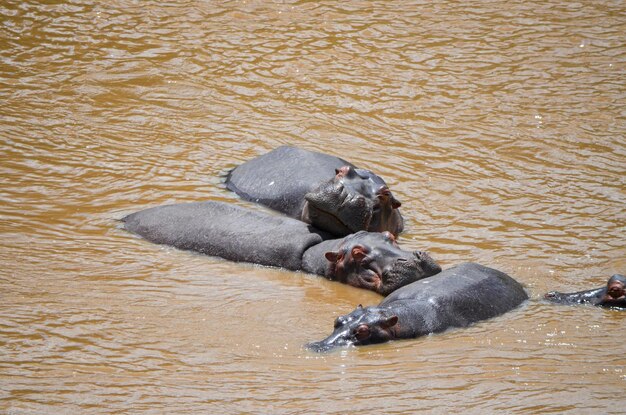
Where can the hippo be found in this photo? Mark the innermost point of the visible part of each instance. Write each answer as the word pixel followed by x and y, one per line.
pixel 370 260
pixel 326 191
pixel 456 297
pixel 613 295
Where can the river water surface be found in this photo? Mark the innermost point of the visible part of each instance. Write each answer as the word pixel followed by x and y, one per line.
pixel 499 125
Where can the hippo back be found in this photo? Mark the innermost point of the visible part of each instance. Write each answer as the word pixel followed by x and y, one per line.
pixel 281 178
pixel 227 231
pixel 457 297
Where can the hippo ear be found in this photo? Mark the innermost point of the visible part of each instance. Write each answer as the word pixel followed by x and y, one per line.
pixel 395 203
pixel 390 322
pixel 331 256
pixel 358 253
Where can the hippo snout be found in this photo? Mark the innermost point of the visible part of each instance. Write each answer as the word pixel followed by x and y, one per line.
pixel 324 347
pixel 318 347
pixel 427 263
pixel 553 296
pixel 340 337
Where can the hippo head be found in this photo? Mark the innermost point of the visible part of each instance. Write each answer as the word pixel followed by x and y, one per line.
pixel 615 292
pixel 373 260
pixel 353 200
pixel 613 295
pixel 362 326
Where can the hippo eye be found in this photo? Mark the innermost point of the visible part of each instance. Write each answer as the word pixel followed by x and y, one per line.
pixel 363 174
pixel 362 332
pixel 383 192
pixel 389 236
pixel 616 291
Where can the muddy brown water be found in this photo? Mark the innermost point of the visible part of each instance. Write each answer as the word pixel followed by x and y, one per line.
pixel 499 125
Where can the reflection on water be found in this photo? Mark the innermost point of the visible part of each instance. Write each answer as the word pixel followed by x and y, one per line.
pixel 499 127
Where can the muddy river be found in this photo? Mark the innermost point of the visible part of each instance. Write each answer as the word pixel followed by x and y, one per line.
pixel 501 126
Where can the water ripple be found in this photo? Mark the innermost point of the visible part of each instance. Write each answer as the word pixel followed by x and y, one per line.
pixel 500 128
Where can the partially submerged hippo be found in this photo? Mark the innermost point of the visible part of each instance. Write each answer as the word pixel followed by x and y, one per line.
pixel 366 260
pixel 371 260
pixel 456 297
pixel 612 295
pixel 325 191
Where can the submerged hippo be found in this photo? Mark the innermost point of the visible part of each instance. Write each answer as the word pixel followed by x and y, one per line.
pixel 365 260
pixel 456 297
pixel 325 191
pixel 612 295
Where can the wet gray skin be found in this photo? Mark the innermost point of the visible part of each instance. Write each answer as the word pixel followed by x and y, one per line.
pixel 374 261
pixel 613 295
pixel 353 200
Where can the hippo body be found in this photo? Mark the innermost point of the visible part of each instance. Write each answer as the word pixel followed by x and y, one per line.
pixel 456 297
pixel 368 260
pixel 281 178
pixel 613 295
pixel 325 191
pixel 227 231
